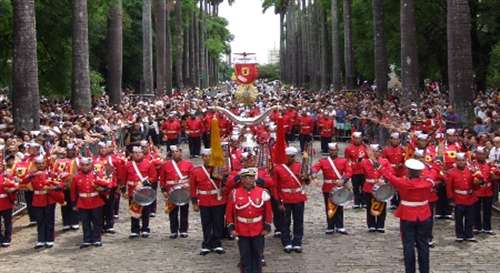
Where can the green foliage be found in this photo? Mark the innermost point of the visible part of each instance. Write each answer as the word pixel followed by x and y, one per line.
pixel 219 36
pixel 494 68
pixel 269 71
pixel 6 42
pixel 96 83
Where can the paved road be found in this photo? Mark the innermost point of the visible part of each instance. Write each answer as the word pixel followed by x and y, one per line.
pixel 358 252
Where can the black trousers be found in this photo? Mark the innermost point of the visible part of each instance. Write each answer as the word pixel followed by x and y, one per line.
pixel 6 226
pixel 135 223
pixel 433 208
pixel 443 204
pixel 212 224
pixel 108 211
pixel 295 212
pixel 304 139
pixel 290 136
pixel 206 140
pixel 28 197
pixel 277 215
pixel 338 218
pixel 173 217
pixel 416 234
pixel 116 206
pixel 45 218
pixel 194 146
pixel 91 224
pixel 251 253
pixel 357 186
pixel 374 221
pixel 69 216
pixel 324 144
pixel 483 221
pixel 464 220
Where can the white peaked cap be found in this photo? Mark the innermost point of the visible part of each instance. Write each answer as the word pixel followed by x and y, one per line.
pixel 414 164
pixel 375 147
pixel 395 135
pixel 357 134
pixel 451 132
pixel 86 160
pixel 206 151
pixel 39 159
pixel 460 155
pixel 419 152
pixel 173 148
pixel 332 146
pixel 291 150
pixel 422 136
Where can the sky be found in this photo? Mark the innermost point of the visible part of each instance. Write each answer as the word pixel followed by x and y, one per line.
pixel 253 31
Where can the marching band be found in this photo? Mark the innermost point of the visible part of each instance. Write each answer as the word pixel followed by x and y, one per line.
pixel 253 192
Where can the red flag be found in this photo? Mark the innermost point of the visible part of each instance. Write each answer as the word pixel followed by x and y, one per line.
pixel 246 73
pixel 279 155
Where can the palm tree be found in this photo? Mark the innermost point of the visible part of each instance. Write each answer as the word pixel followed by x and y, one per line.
pixel 409 51
pixel 179 44
pixel 115 52
pixel 348 56
pixel 147 48
pixel 160 46
pixel 380 48
pixel 25 99
pixel 81 97
pixel 336 65
pixel 460 70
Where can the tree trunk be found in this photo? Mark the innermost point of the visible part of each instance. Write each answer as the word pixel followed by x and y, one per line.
pixel 323 51
pixel 460 71
pixel 186 57
pixel 409 52
pixel 160 46
pixel 348 56
pixel 81 97
pixel 168 51
pixel 115 52
pixel 282 46
pixel 202 66
pixel 380 48
pixel 147 48
pixel 336 66
pixel 196 49
pixel 179 44
pixel 25 99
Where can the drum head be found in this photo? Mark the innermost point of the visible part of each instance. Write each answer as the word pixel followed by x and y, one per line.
pixel 383 193
pixel 179 197
pixel 341 196
pixel 145 196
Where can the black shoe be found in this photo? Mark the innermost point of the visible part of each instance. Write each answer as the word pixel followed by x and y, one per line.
pixel 380 230
pixel 204 251
pixel 288 249
pixel 133 235
pixel 145 234
pixel 110 231
pixel 184 235
pixel 448 217
pixel 97 244
pixel 476 231
pixel 297 249
pixel 472 240
pixel 263 262
pixel 173 236
pixel 49 245
pixel 342 231
pixel 277 234
pixel 5 244
pixel 372 230
pixel 459 240
pixel 489 232
pixel 39 245
pixel 152 215
pixel 84 245
pixel 219 250
pixel 329 231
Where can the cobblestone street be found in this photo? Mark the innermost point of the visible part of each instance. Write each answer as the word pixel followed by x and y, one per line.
pixel 360 251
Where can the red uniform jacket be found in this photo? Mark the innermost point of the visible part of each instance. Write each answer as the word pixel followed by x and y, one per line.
pixel 355 154
pixel 206 190
pixel 326 126
pixel 261 174
pixel 450 154
pixel 147 170
pixel 169 177
pixel 329 175
pixel 485 189
pixel 7 193
pixel 373 176
pixel 290 188
pixel 414 195
pixel 460 187
pixel 171 128
pixel 84 192
pixel 194 127
pixel 43 197
pixel 396 156
pixel 306 124
pixel 207 120
pixel 432 172
pixel 248 211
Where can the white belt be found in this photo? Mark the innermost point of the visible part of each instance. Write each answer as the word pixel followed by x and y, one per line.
pixel 132 183
pixel 372 181
pixel 330 181
pixel 306 127
pixel 171 182
pixel 486 185
pixel 249 220
pixel 88 195
pixel 463 192
pixel 171 132
pixel 40 192
pixel 290 190
pixel 3 195
pixel 414 204
pixel 207 192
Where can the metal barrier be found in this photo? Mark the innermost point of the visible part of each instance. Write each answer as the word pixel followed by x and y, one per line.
pixel 20 204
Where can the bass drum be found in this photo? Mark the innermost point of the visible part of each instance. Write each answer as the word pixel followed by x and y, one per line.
pixel 341 196
pixel 179 196
pixel 144 196
pixel 384 192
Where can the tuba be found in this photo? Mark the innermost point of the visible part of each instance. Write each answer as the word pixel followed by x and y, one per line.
pixel 307 158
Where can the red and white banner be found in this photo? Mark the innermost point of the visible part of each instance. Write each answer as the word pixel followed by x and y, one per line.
pixel 246 73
